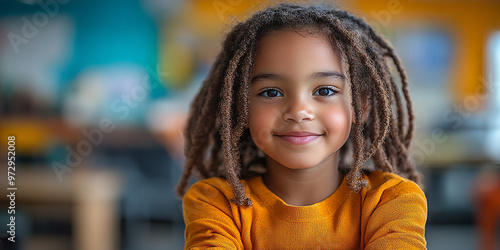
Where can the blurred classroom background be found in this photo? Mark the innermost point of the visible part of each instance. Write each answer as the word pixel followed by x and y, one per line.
pixel 96 94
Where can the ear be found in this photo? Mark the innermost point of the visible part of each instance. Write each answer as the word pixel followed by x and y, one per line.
pixel 366 110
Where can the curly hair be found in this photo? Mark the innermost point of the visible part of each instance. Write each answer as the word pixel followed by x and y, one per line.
pixel 218 142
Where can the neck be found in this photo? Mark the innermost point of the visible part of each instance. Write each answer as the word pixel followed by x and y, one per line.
pixel 302 187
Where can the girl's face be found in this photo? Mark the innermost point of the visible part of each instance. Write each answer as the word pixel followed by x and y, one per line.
pixel 300 100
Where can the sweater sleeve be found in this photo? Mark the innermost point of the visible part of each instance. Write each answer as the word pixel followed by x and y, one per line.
pixel 208 218
pixel 398 221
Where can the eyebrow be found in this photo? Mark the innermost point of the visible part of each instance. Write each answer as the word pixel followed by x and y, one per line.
pixel 325 74
pixel 313 76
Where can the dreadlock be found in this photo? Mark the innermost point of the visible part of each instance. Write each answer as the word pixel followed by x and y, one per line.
pixel 217 140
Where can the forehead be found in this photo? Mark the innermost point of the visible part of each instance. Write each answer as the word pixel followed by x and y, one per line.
pixel 296 52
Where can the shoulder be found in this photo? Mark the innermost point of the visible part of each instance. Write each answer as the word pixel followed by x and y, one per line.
pixel 379 181
pixel 208 189
pixel 209 199
pixel 207 195
pixel 213 182
pixel 214 190
pixel 386 187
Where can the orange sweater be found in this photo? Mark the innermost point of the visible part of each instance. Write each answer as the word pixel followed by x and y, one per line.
pixel 389 214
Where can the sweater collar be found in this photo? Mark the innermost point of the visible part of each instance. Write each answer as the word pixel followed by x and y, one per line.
pixel 288 212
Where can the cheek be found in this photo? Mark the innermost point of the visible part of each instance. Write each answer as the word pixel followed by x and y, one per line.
pixel 260 123
pixel 339 121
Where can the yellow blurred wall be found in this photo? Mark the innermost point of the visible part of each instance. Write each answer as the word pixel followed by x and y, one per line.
pixel 472 22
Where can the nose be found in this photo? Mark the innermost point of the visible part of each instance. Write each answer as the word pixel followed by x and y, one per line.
pixel 298 110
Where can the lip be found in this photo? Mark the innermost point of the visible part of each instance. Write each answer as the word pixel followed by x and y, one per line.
pixel 299 137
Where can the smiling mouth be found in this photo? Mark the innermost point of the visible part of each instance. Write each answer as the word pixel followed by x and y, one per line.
pixel 298 138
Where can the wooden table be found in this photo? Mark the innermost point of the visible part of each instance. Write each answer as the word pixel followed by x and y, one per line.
pixel 93 195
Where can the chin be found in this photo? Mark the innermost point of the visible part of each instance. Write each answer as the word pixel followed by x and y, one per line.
pixel 299 164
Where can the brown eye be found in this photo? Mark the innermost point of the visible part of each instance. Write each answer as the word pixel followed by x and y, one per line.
pixel 269 93
pixel 325 92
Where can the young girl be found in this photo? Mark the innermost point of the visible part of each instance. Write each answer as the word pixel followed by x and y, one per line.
pixel 301 136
